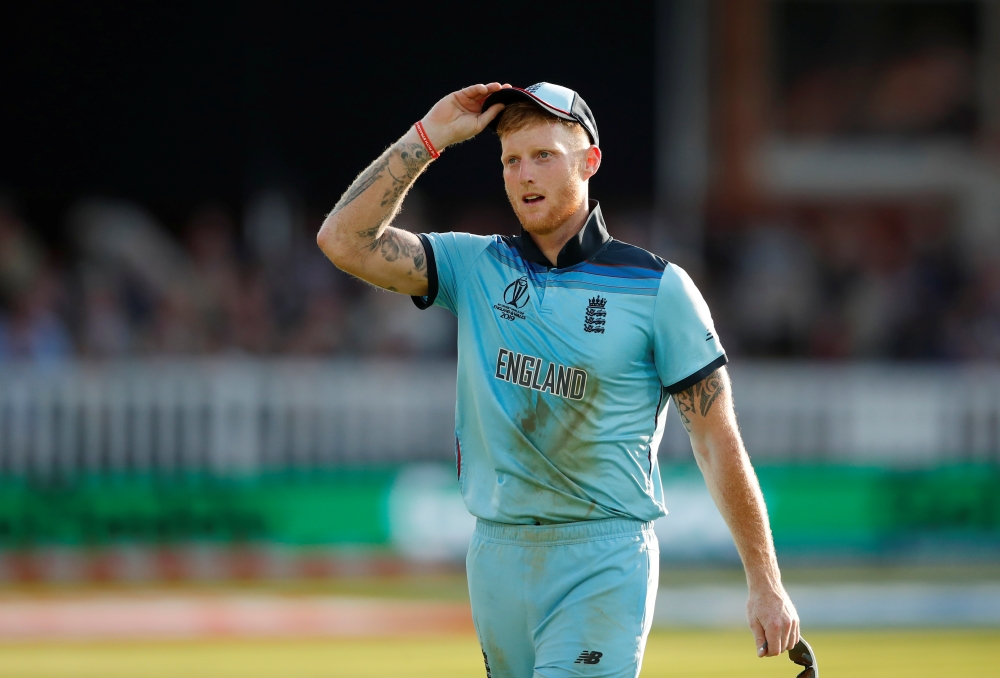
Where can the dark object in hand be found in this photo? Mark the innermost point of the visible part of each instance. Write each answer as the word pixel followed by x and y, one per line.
pixel 803 655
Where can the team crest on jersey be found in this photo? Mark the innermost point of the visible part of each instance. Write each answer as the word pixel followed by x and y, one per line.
pixel 595 316
pixel 515 297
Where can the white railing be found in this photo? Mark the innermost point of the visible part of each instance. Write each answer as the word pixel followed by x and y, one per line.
pixel 245 416
pixel 910 415
pixel 226 416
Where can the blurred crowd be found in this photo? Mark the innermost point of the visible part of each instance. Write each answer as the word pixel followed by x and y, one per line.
pixel 854 281
pixel 826 282
pixel 124 285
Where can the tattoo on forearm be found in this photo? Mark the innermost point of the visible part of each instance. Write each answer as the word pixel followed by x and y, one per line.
pixel 699 398
pixel 412 156
pixel 365 180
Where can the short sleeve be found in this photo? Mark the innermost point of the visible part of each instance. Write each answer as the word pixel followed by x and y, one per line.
pixel 450 257
pixel 686 348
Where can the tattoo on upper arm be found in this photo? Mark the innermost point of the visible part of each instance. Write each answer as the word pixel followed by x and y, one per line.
pixel 393 245
pixel 699 398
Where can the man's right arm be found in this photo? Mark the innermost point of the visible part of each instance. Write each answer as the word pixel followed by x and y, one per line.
pixel 356 235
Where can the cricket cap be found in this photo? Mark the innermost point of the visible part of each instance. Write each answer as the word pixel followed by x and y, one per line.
pixel 560 101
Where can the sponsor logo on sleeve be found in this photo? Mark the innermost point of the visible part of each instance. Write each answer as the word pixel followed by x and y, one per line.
pixel 531 372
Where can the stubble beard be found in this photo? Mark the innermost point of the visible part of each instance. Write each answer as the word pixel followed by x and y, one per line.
pixel 563 205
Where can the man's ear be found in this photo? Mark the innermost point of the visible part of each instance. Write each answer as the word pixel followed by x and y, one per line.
pixel 591 162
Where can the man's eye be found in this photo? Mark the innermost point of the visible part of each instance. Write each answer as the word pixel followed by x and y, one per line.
pixel 511 161
pixel 544 154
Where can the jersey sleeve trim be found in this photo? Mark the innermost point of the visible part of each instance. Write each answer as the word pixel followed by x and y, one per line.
pixel 426 302
pixel 701 374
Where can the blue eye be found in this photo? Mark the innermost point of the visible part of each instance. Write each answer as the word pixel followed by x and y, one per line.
pixel 544 154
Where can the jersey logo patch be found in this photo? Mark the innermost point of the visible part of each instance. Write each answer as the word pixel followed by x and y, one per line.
pixel 595 316
pixel 589 657
pixel 515 297
pixel 527 371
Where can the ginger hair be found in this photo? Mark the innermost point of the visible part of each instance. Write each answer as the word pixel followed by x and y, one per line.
pixel 522 115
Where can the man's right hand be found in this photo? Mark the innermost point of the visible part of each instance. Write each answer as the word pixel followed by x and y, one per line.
pixel 356 235
pixel 460 115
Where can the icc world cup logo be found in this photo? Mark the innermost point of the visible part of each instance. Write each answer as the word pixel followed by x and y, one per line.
pixel 516 294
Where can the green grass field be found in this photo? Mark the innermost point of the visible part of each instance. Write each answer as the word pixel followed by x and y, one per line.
pixel 680 654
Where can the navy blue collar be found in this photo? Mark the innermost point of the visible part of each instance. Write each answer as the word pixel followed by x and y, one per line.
pixel 580 247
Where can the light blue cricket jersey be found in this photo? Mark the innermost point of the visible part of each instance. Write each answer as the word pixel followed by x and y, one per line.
pixel 564 372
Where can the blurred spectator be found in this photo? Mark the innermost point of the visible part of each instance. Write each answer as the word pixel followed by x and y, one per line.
pixel 34 330
pixel 106 329
pixel 974 323
pixel 32 298
pixel 321 330
pixel 775 297
pixel 21 257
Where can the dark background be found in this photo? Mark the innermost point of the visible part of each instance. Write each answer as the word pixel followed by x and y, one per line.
pixel 176 104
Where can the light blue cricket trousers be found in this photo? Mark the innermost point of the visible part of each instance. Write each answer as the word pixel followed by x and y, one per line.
pixel 554 601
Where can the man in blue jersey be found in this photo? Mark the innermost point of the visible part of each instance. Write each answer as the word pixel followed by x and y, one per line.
pixel 570 343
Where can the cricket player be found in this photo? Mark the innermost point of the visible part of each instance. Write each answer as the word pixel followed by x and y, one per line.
pixel 569 344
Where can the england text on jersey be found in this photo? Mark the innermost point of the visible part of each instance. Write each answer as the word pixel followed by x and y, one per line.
pixel 526 371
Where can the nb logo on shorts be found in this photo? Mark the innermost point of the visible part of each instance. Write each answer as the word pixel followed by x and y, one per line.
pixel 589 657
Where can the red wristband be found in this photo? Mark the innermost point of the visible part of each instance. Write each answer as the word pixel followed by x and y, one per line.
pixel 426 139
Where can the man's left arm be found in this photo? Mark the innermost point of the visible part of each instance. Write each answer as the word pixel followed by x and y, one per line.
pixel 706 410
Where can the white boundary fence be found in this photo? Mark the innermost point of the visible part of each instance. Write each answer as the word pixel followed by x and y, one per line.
pixel 239 416
pixel 228 417
pixel 870 413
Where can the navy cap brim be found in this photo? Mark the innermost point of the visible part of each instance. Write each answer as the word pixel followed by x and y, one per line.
pixel 515 94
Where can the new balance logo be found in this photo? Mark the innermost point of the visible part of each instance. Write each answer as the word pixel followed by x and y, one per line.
pixel 589 657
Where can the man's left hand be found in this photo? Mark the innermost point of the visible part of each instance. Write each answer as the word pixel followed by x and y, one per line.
pixel 773 620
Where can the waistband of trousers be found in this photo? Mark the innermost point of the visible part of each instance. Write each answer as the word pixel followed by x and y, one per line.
pixel 561 533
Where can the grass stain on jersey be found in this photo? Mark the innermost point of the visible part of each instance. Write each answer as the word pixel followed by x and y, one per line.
pixel 557 429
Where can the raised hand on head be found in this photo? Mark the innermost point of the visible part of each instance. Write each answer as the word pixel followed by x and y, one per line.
pixel 460 115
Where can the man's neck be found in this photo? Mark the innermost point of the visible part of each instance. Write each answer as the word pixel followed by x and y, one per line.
pixel 551 244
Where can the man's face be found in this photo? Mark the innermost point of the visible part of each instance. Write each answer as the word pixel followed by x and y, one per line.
pixel 545 172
